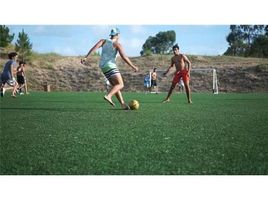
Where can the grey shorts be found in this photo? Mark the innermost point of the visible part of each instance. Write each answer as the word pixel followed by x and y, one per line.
pixel 11 82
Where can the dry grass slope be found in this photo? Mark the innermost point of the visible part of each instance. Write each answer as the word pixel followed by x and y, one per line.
pixel 235 74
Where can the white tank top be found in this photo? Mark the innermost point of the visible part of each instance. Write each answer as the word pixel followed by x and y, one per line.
pixel 108 54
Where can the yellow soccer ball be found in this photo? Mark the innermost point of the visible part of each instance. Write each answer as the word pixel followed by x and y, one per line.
pixel 134 105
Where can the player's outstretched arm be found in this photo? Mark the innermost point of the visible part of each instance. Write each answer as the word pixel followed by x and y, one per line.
pixel 171 65
pixel 93 49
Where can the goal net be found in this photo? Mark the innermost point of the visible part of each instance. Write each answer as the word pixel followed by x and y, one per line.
pixel 202 80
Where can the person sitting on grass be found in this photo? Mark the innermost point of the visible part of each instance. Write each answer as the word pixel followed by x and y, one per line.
pixel 110 48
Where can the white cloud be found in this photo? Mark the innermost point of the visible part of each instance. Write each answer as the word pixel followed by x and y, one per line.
pixel 51 30
pixel 132 46
pixel 135 43
pixel 135 29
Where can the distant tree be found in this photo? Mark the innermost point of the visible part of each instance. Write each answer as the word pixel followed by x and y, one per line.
pixel 241 38
pixel 165 41
pixel 266 30
pixel 5 37
pixel 149 43
pixel 259 47
pixel 147 52
pixel 235 40
pixel 161 43
pixel 249 34
pixel 23 45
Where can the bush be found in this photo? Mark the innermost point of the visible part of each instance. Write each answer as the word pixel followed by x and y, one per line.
pixel 262 68
pixel 147 52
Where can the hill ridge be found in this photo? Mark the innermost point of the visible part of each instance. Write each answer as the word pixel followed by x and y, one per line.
pixel 66 73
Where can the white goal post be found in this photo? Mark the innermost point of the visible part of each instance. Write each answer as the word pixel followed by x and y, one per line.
pixel 212 71
pixel 202 80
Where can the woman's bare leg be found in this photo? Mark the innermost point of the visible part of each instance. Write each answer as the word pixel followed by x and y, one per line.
pixel 117 80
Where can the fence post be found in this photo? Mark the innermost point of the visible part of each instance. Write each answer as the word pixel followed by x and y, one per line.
pixel 46 87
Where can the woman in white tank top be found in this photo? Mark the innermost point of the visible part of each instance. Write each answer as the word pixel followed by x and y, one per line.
pixel 110 47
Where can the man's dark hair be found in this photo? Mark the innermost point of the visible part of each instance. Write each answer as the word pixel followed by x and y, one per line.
pixel 12 54
pixel 176 46
pixel 22 63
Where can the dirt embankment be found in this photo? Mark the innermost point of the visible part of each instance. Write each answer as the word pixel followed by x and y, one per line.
pixel 235 74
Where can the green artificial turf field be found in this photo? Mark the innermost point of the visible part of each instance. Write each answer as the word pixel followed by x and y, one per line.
pixel 78 133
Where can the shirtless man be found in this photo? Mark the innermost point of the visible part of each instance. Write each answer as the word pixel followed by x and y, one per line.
pixel 179 61
pixel 21 77
pixel 153 81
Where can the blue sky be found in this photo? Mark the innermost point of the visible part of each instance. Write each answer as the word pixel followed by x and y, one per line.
pixel 74 40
